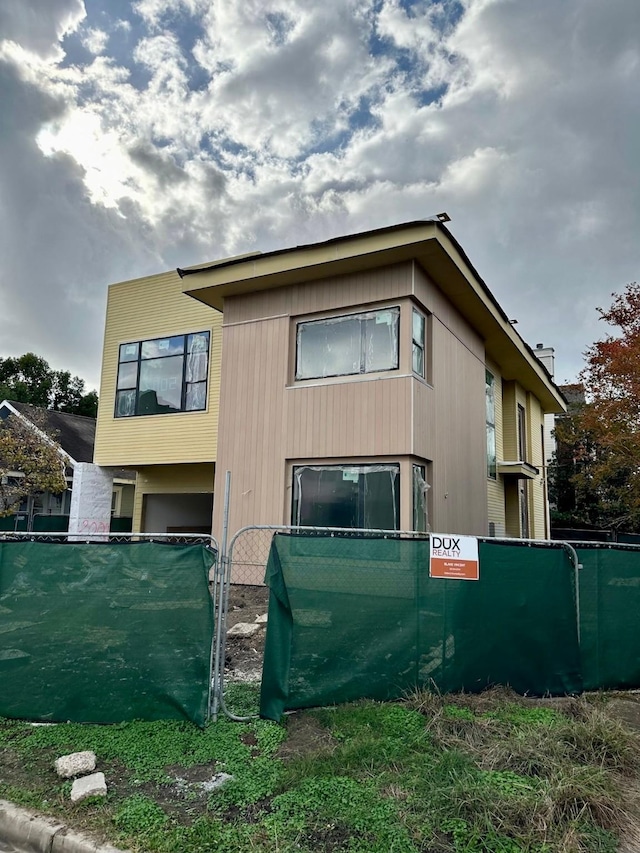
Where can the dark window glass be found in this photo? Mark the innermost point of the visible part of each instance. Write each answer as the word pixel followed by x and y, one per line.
pixel 365 496
pixel 490 403
pixel 343 346
pixel 163 375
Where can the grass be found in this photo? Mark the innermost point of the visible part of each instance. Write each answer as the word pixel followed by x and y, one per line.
pixel 493 773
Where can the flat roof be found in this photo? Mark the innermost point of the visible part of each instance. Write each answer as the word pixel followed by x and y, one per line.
pixel 429 243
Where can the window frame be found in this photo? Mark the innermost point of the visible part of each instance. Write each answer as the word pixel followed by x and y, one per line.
pixel 421 346
pixel 490 426
pixel 363 315
pixel 362 468
pixel 175 351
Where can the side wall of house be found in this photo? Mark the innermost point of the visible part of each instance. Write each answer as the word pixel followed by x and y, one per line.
pixel 144 309
pixel 270 422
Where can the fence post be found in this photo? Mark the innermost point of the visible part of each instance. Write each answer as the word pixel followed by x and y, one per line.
pixel 220 611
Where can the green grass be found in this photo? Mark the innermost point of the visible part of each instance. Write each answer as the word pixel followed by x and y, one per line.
pixel 455 774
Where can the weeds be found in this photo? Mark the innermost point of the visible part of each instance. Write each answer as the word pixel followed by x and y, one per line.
pixel 493 773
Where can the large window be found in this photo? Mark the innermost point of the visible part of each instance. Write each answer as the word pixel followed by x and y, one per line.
pixel 163 375
pixel 353 343
pixel 490 401
pixel 365 496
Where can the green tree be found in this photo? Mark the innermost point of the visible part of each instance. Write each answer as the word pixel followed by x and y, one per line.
pixel 29 379
pixel 29 463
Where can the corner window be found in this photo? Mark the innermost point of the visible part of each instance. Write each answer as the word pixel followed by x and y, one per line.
pixel 163 375
pixel 418 343
pixel 420 506
pixel 490 405
pixel 347 345
pixel 365 496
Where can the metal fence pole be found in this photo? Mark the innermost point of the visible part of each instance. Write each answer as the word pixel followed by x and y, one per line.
pixel 220 613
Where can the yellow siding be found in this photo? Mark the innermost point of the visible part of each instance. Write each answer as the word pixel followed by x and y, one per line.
pixel 149 308
pixel 538 486
pixel 165 479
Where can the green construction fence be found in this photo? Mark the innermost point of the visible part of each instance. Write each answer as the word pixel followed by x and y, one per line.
pixel 105 632
pixel 353 618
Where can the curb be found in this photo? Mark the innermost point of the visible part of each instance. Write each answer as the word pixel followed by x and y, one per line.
pixel 37 834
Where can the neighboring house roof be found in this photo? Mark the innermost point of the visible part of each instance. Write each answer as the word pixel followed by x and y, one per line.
pixel 429 243
pixel 74 434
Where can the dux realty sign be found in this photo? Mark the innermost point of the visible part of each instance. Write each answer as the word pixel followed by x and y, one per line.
pixel 454 557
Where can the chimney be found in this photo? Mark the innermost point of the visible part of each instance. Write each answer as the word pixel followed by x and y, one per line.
pixel 546 356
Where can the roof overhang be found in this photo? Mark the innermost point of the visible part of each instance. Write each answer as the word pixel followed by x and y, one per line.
pixel 518 470
pixel 428 243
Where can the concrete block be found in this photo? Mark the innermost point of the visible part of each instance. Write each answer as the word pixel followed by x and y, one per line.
pixel 75 764
pixel 243 629
pixel 88 786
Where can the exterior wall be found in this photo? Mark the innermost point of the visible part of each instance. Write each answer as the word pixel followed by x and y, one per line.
pixel 449 415
pixel 537 487
pixel 269 422
pixel 150 308
pixel 174 479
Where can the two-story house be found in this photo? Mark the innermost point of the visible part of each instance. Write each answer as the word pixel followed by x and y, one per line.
pixel 366 381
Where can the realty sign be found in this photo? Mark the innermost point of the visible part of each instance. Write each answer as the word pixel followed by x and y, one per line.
pixel 454 557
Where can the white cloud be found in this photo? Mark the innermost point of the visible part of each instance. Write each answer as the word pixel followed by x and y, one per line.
pixel 308 120
pixel 95 40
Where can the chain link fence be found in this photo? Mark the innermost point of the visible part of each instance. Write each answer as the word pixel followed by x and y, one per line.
pixel 372 584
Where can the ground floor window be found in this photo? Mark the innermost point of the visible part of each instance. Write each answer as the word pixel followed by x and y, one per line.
pixel 365 496
pixel 420 506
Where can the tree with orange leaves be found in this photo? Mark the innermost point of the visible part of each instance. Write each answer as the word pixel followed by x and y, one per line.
pixel 605 432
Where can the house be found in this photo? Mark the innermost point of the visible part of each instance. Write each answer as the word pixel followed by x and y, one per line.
pixel 371 381
pixel 74 438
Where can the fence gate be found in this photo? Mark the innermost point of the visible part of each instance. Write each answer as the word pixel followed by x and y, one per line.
pixel 355 613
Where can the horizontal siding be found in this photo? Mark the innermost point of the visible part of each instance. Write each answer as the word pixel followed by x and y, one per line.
pixel 149 308
pixel 538 486
pixel 170 479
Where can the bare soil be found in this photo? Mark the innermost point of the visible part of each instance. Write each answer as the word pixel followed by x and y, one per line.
pixel 244 655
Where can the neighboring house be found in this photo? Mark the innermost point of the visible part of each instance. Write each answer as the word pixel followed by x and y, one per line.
pixel 74 437
pixel 367 381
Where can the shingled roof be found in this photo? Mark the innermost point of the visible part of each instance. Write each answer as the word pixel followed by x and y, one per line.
pixel 75 434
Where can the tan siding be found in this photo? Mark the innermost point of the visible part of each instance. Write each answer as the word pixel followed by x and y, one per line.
pixel 449 425
pixel 333 293
pixel 138 310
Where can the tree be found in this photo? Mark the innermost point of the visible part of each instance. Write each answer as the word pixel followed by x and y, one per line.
pixel 29 463
pixel 603 436
pixel 29 379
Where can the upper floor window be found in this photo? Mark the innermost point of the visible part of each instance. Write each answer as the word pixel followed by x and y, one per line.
pixel 351 344
pixel 490 401
pixel 163 375
pixel 418 343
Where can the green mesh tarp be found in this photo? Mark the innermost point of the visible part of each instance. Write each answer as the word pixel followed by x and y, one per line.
pixel 609 620
pixel 352 618
pixel 104 632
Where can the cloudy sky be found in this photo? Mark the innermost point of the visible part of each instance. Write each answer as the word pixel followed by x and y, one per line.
pixel 140 136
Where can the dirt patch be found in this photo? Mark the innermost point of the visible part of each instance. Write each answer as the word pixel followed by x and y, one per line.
pixel 305 736
pixel 244 655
